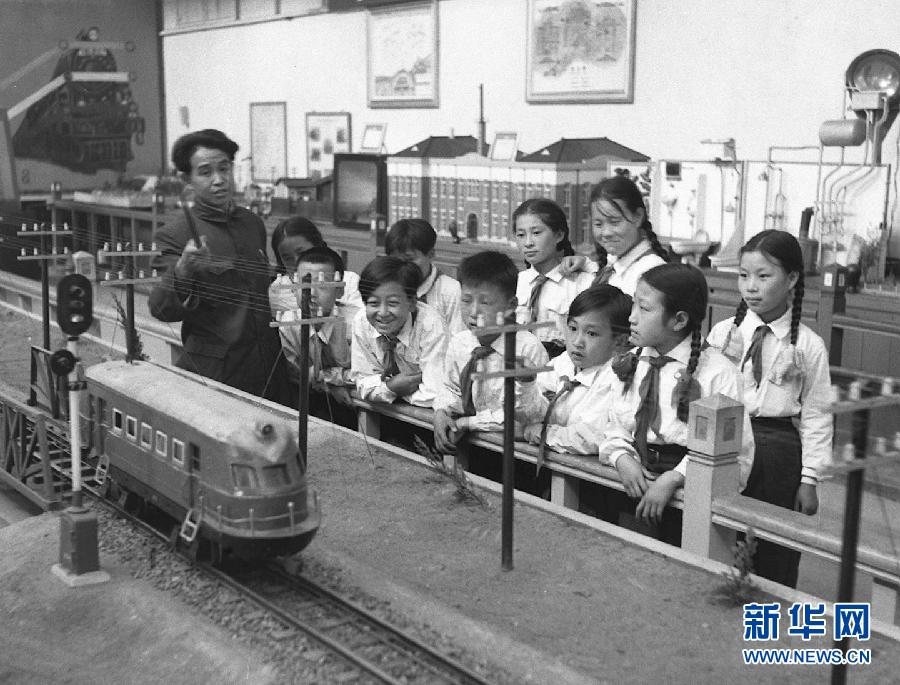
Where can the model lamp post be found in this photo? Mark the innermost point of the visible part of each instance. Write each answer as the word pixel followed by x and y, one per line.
pixel 79 556
pixel 506 326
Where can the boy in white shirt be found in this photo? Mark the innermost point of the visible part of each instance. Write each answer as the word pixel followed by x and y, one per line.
pixel 414 241
pixel 464 403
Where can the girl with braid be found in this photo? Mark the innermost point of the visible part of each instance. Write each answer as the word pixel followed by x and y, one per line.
pixel 624 240
pixel 787 384
pixel 669 368
pixel 544 292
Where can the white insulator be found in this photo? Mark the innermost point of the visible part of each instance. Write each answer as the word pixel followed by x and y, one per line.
pixel 854 390
pixel 34 252
pixel 66 250
pixel 880 446
pixel 479 321
pixel 106 247
pixel 320 277
pixel 108 276
pixel 835 394
pixel 499 319
pixel 141 273
pixel 118 247
pixel 887 386
pixel 154 273
pixel 24 252
pixel 121 275
pixel 153 247
pixel 140 247
pixel 849 452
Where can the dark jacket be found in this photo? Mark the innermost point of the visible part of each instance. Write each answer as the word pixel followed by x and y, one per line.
pixel 224 310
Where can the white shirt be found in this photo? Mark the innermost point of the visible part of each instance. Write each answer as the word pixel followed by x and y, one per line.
pixel 420 349
pixel 806 396
pixel 714 373
pixel 443 293
pixel 487 394
pixel 580 417
pixel 282 298
pixel 628 269
pixel 555 298
pixel 335 335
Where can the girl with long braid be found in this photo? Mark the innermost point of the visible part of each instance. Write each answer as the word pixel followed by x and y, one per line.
pixel 668 369
pixel 786 386
pixel 622 230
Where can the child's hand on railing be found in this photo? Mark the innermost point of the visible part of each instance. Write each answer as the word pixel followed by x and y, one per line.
pixel 632 476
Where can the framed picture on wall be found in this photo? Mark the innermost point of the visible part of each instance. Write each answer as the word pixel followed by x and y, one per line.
pixel 326 134
pixel 580 51
pixel 268 141
pixel 373 138
pixel 402 50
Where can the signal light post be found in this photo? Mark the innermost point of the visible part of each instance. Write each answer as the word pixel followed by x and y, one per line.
pixel 79 557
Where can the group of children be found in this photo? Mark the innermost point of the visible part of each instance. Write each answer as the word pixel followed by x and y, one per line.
pixel 624 344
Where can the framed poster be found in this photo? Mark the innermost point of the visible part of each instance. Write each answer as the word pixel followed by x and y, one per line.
pixel 402 50
pixel 505 147
pixel 373 138
pixel 268 141
pixel 326 134
pixel 580 51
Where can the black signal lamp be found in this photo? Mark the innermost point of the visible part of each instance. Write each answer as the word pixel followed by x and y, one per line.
pixel 74 304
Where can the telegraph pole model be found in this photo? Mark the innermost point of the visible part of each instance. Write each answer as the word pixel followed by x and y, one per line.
pixel 128 275
pixel 863 395
pixel 302 317
pixel 79 556
pixel 508 327
pixel 44 256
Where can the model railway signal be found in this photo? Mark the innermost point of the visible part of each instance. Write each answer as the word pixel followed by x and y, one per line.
pixel 74 304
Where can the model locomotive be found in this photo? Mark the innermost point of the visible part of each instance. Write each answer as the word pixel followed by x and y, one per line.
pixel 224 465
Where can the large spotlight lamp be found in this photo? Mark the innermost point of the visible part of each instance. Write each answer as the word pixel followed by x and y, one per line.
pixel 873 85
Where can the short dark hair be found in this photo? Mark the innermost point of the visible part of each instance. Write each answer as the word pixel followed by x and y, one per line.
pixel 410 234
pixel 185 146
pixel 614 304
pixel 322 255
pixel 383 270
pixel 489 268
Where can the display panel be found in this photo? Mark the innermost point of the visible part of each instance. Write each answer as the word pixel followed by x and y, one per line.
pixel 360 190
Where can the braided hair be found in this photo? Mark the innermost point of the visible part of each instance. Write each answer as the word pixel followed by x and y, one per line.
pixel 552 216
pixel 782 249
pixel 684 289
pixel 623 194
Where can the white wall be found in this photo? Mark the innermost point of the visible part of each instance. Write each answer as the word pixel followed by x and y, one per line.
pixel 766 72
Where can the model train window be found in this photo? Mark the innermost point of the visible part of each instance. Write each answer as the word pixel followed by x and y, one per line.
pixel 131 427
pixel 275 475
pixel 178 451
pixel 195 457
pixel 117 421
pixel 162 444
pixel 146 436
pixel 243 476
pixel 101 410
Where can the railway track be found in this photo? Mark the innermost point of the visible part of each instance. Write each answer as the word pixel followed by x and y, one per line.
pixel 362 647
pixel 378 650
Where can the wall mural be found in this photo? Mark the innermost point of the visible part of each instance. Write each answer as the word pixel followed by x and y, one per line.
pixel 84 126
